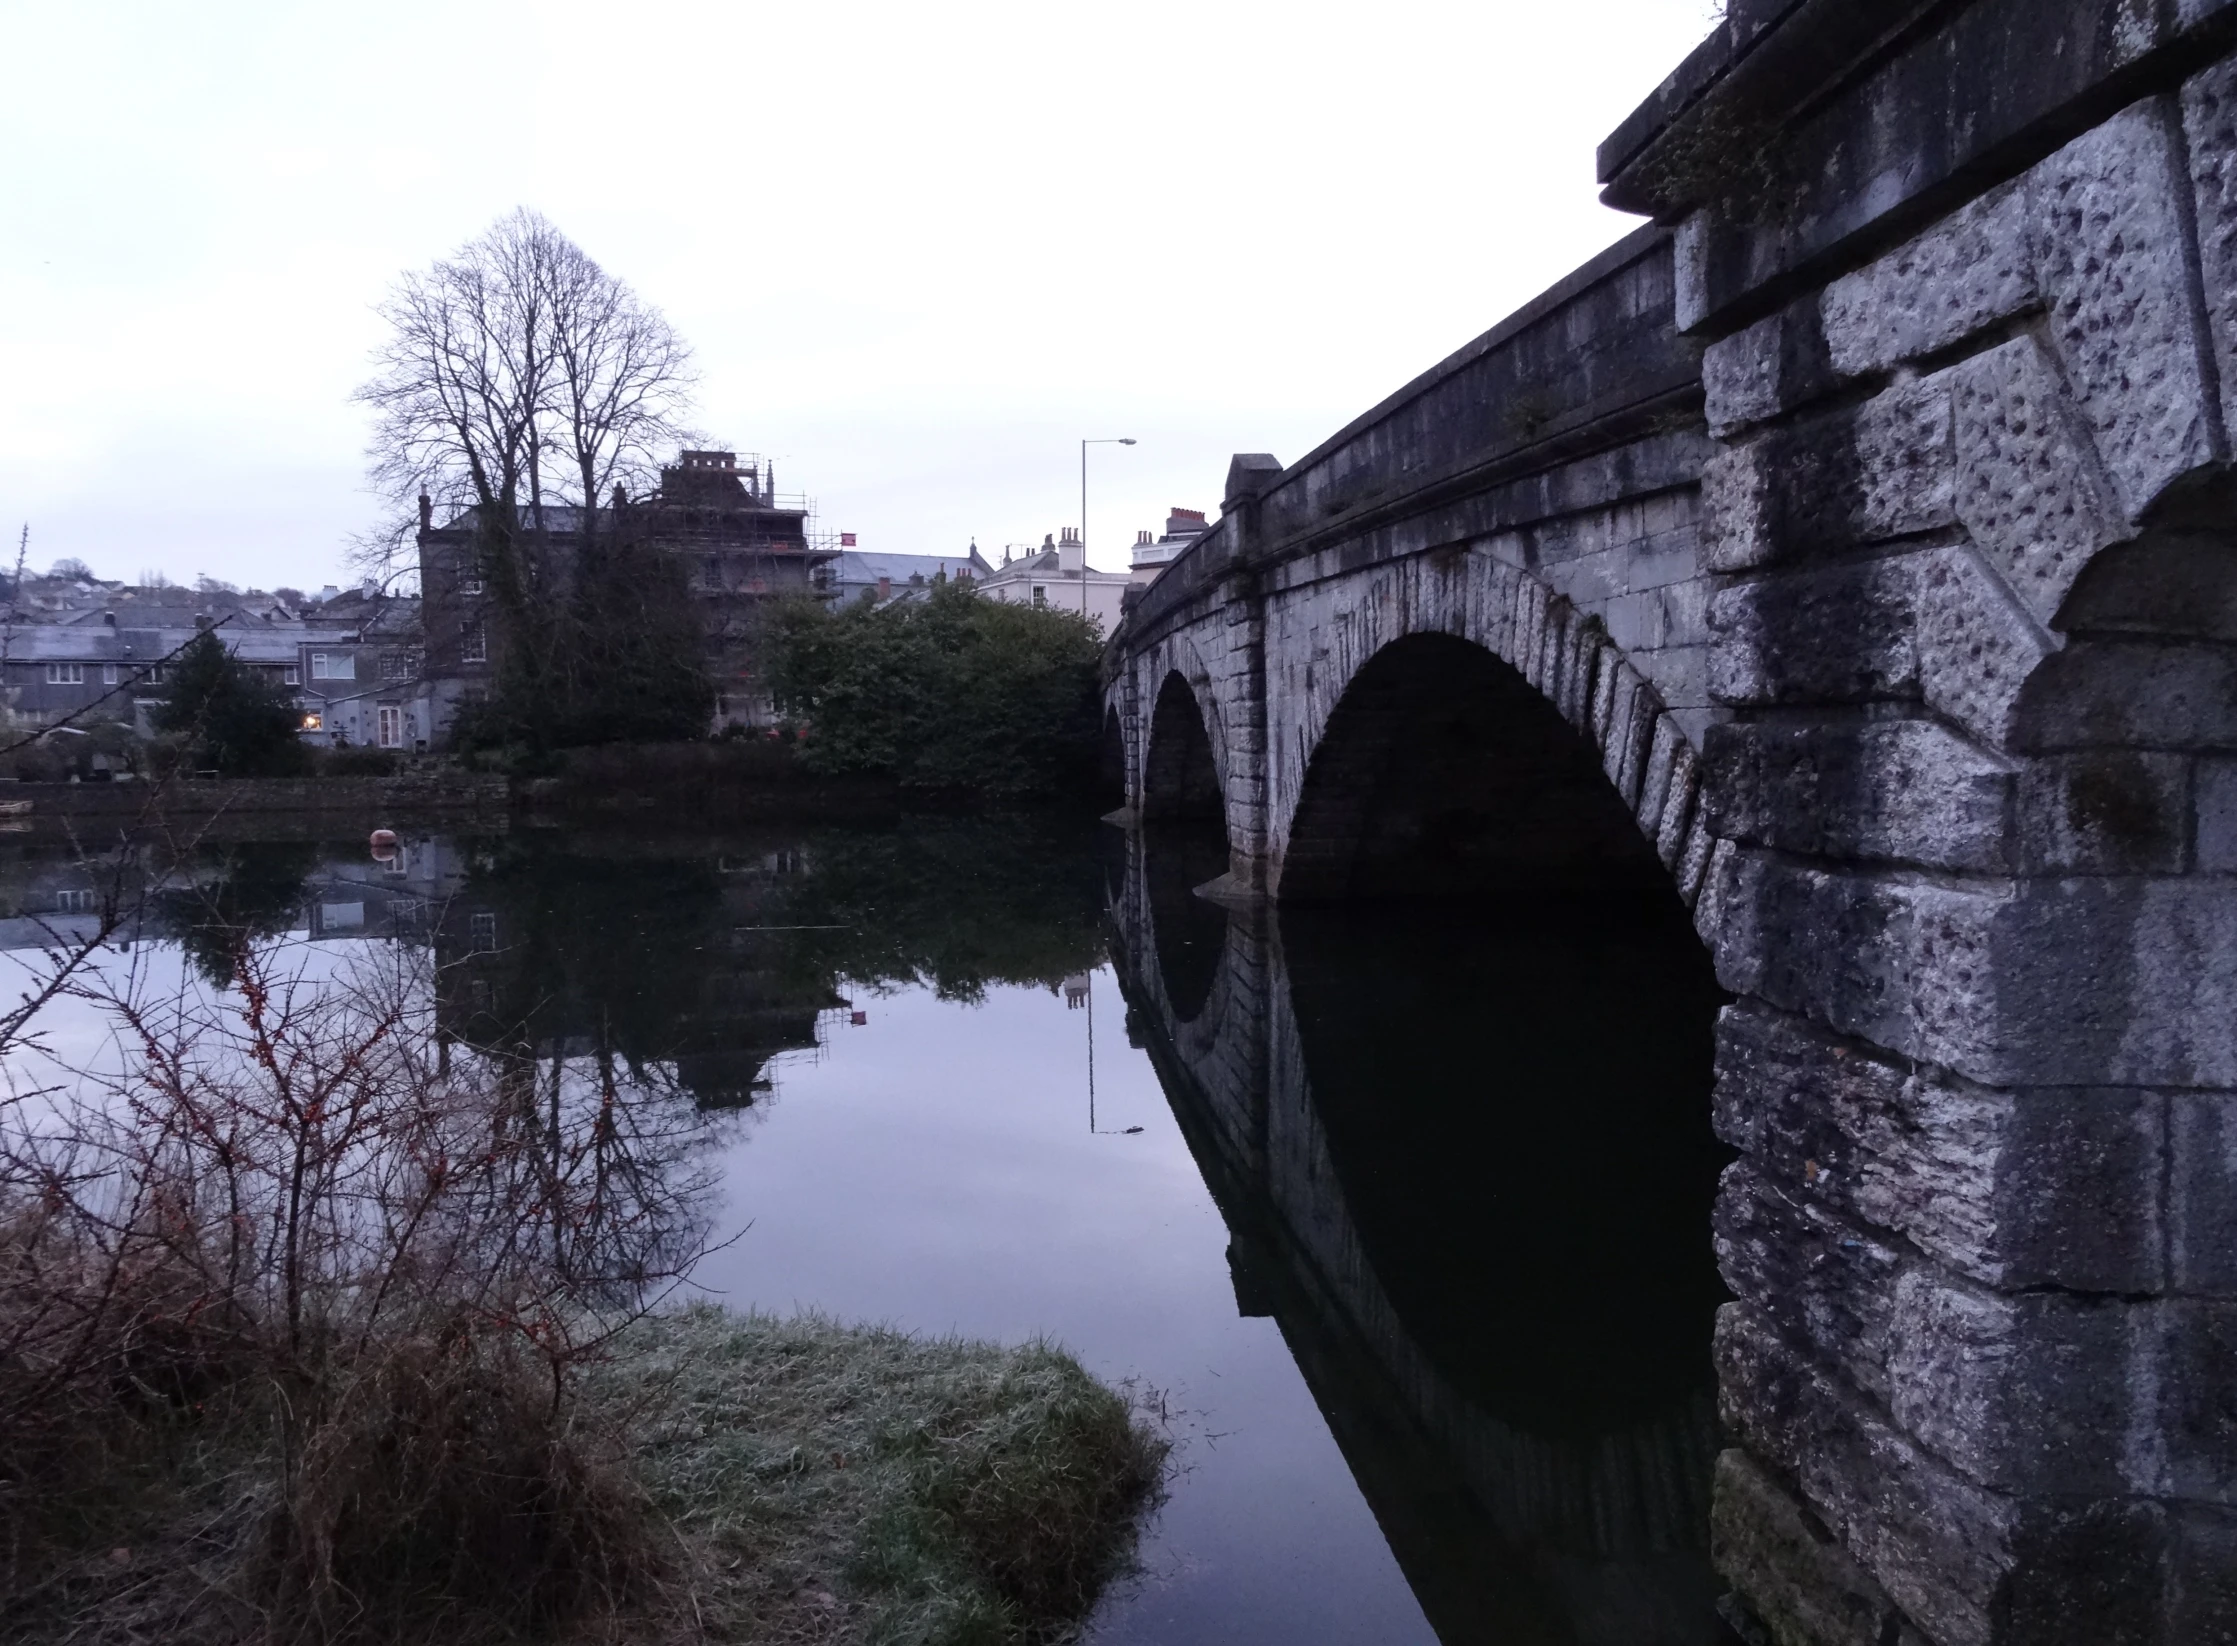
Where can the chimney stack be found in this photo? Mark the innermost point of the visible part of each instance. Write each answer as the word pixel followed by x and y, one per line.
pixel 1071 553
pixel 426 512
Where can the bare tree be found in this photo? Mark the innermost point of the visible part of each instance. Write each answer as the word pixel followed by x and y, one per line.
pixel 518 376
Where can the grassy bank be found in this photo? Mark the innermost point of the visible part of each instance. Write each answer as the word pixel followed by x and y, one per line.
pixel 735 1478
pixel 854 1484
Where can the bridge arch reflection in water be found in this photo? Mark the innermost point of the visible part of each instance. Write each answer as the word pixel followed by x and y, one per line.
pixel 1464 1152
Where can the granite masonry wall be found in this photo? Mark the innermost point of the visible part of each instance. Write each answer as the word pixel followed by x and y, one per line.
pixel 1871 520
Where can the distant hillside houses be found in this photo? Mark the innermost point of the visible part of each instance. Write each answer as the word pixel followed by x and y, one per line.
pixel 83 650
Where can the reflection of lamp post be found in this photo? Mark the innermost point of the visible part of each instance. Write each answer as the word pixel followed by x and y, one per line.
pixel 1083 511
pixel 1079 991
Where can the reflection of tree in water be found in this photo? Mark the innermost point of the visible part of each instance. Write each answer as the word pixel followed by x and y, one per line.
pixel 694 961
pixel 233 894
pixel 957 906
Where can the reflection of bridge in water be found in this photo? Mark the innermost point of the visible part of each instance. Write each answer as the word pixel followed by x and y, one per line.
pixel 1476 1217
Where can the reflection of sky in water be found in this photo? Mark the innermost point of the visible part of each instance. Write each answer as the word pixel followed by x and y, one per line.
pixel 934 1169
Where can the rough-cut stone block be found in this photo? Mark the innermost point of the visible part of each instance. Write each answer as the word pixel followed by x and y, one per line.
pixel 2108 811
pixel 1624 755
pixel 1737 506
pixel 2106 221
pixel 1678 805
pixel 1967 273
pixel 1802 1583
pixel 1976 647
pixel 2027 481
pixel 2053 1187
pixel 2130 694
pixel 2203 1575
pixel 1938 1544
pixel 2215 787
pixel 1815 1277
pixel 2202 1192
pixel 2037 1394
pixel 1894 790
pixel 1843 634
pixel 2196 1452
pixel 1765 369
pixel 2112 981
pixel 2210 124
pixel 1693 862
pixel 1910 967
pixel 1654 788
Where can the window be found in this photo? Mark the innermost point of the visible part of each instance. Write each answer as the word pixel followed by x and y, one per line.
pixel 478 992
pixel 76 902
pixel 391 724
pixel 470 581
pixel 314 723
pixel 65 674
pixel 291 677
pixel 333 666
pixel 1040 595
pixel 396 666
pixel 473 643
pixel 154 676
pixel 108 674
pixel 484 929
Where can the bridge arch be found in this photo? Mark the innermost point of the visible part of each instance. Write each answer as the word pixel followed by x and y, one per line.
pixel 1181 767
pixel 1448 721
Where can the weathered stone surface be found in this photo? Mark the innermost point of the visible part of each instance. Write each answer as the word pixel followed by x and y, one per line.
pixel 2203 1576
pixel 1839 634
pixel 1817 1278
pixel 2028 488
pixel 2039 1393
pixel 2115 694
pixel 2191 1450
pixel 2110 811
pixel 1967 273
pixel 1937 1543
pixel 2106 219
pixel 1976 647
pixel 1802 1583
pixel 2210 126
pixel 1766 369
pixel 1893 791
pixel 2050 1187
pixel 2202 1192
pixel 2215 817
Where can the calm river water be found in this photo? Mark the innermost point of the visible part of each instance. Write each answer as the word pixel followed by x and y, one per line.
pixel 1406 1220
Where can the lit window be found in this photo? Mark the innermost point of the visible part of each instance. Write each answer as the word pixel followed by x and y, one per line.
pixel 473 643
pixel 484 928
pixel 65 674
pixel 314 723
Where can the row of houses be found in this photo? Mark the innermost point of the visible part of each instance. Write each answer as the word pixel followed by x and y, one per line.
pixel 392 671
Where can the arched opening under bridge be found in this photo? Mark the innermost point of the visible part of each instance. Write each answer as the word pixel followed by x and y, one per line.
pixel 1184 845
pixel 1443 773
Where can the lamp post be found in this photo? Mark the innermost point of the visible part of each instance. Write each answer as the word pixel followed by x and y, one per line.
pixel 1116 441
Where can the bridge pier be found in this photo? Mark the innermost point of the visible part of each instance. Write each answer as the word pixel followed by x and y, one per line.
pixel 1871 524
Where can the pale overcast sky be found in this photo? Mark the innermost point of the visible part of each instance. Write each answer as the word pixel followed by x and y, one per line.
pixel 920 250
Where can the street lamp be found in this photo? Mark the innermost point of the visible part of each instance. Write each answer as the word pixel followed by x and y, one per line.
pixel 1083 510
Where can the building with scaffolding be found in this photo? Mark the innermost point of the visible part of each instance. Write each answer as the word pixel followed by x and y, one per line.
pixel 741 545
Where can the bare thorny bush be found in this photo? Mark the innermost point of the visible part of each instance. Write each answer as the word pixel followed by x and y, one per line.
pixel 285 1213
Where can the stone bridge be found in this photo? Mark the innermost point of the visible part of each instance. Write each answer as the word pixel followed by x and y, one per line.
pixel 1852 552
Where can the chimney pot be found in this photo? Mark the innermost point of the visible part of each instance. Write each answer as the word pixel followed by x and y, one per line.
pixel 426 512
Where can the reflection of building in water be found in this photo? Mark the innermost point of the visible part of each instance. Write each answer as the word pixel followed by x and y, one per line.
pixel 1480 1220
pixel 653 959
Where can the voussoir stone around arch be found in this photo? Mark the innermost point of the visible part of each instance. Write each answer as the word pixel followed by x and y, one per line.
pixel 1320 636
